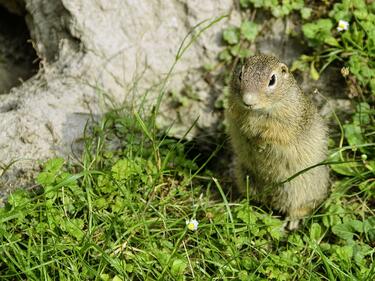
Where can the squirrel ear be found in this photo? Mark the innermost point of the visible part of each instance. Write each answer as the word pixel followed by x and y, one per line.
pixel 284 68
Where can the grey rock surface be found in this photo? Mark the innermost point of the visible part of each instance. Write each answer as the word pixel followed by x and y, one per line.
pixel 93 51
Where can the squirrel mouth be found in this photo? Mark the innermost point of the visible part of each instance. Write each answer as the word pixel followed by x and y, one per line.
pixel 247 106
pixel 252 107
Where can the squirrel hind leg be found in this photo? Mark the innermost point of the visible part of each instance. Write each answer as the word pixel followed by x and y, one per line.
pixel 291 225
pixel 295 216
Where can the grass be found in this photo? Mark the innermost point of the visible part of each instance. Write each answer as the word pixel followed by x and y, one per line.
pixel 120 214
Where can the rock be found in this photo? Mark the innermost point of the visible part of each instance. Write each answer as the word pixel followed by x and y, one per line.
pixel 89 50
pixel 95 53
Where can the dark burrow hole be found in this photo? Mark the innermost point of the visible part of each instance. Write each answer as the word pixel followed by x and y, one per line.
pixel 18 59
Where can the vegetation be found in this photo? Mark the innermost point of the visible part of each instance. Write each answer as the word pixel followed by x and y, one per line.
pixel 122 213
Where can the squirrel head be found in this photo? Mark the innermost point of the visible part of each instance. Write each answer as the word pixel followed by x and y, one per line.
pixel 261 83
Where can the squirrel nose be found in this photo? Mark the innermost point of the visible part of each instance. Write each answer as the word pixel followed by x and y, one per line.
pixel 249 99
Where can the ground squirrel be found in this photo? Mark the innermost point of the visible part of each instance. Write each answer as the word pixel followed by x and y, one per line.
pixel 276 131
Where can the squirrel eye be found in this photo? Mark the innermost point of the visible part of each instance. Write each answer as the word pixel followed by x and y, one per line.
pixel 272 80
pixel 240 76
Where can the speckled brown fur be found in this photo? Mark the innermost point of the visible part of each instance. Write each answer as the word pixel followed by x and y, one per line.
pixel 275 132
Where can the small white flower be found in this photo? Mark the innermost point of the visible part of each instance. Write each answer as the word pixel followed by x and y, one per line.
pixel 192 224
pixel 343 25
